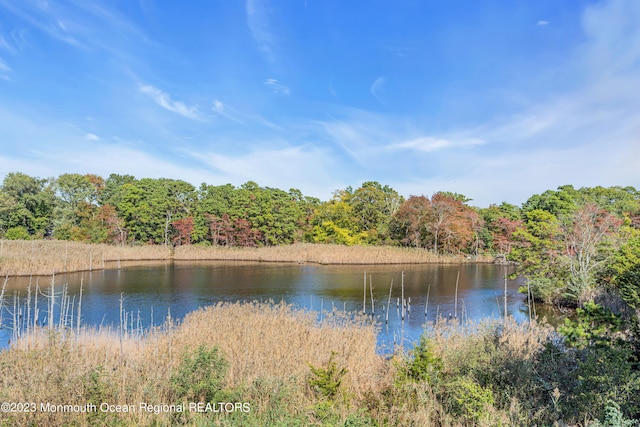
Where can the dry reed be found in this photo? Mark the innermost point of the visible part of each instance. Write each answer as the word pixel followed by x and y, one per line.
pixel 322 254
pixel 45 257
pixel 261 342
pixel 254 335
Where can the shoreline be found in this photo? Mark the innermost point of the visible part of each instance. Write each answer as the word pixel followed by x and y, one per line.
pixel 47 257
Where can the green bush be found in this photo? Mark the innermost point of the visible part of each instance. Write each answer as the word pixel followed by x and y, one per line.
pixel 359 419
pixel 199 378
pixel 606 362
pixel 468 399
pixel 595 326
pixel 326 381
pixel 545 289
pixel 425 366
pixel 17 233
pixel 613 417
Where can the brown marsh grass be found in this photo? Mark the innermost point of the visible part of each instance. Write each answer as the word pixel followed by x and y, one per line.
pixel 322 254
pixel 254 335
pixel 46 257
pixel 268 348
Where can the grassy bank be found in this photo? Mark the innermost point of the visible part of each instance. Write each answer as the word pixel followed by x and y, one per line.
pixel 321 254
pixel 277 366
pixel 45 257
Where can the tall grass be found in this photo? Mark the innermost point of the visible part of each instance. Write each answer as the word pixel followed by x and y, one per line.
pixel 45 257
pixel 269 348
pixel 322 254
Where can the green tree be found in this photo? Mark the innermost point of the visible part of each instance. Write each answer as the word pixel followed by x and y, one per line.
pixel 164 201
pixel 538 247
pixel 373 207
pixel 622 271
pixel 271 211
pixel 334 221
pixel 606 364
pixel 26 202
pixel 113 191
pixel 560 203
pixel 499 224
pixel 74 196
pixel 213 202
pixel 620 201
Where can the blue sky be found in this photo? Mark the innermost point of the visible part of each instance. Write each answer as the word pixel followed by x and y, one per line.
pixel 493 99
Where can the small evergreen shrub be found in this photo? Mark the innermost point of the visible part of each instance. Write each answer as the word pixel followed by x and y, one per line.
pixel 200 377
pixel 326 381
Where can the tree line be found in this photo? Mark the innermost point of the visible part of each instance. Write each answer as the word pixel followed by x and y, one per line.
pixel 564 241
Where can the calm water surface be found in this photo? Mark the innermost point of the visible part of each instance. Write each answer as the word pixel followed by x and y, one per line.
pixel 152 291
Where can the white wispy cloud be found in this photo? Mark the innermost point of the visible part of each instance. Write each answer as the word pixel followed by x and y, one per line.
pixel 4 69
pixel 41 146
pixel 356 133
pixel 13 41
pixel 164 100
pixel 543 23
pixel 45 17
pixel 221 109
pixel 377 86
pixel 225 111
pixel 260 27
pixel 4 44
pixel 515 175
pixel 586 134
pixel 429 144
pixel 613 39
pixel 277 87
pixel 83 25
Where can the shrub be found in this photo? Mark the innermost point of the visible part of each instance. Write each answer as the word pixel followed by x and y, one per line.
pixel 326 381
pixel 468 399
pixel 425 365
pixel 544 289
pixel 17 233
pixel 613 417
pixel 199 378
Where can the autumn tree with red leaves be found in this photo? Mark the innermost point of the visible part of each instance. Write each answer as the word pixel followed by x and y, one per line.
pixel 409 224
pixel 453 223
pixel 184 230
pixel 225 231
pixel 443 224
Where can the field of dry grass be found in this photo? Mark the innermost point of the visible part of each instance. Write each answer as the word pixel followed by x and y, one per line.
pixel 321 254
pixel 46 257
pixel 268 349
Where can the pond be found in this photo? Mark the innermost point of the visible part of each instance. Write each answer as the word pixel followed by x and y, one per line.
pixel 149 292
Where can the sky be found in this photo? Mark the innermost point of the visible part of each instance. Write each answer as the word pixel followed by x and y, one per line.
pixel 497 100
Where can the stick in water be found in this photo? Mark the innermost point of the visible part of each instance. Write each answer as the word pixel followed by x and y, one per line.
pixel 386 320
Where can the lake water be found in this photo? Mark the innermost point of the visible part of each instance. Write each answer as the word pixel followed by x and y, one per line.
pixel 150 291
